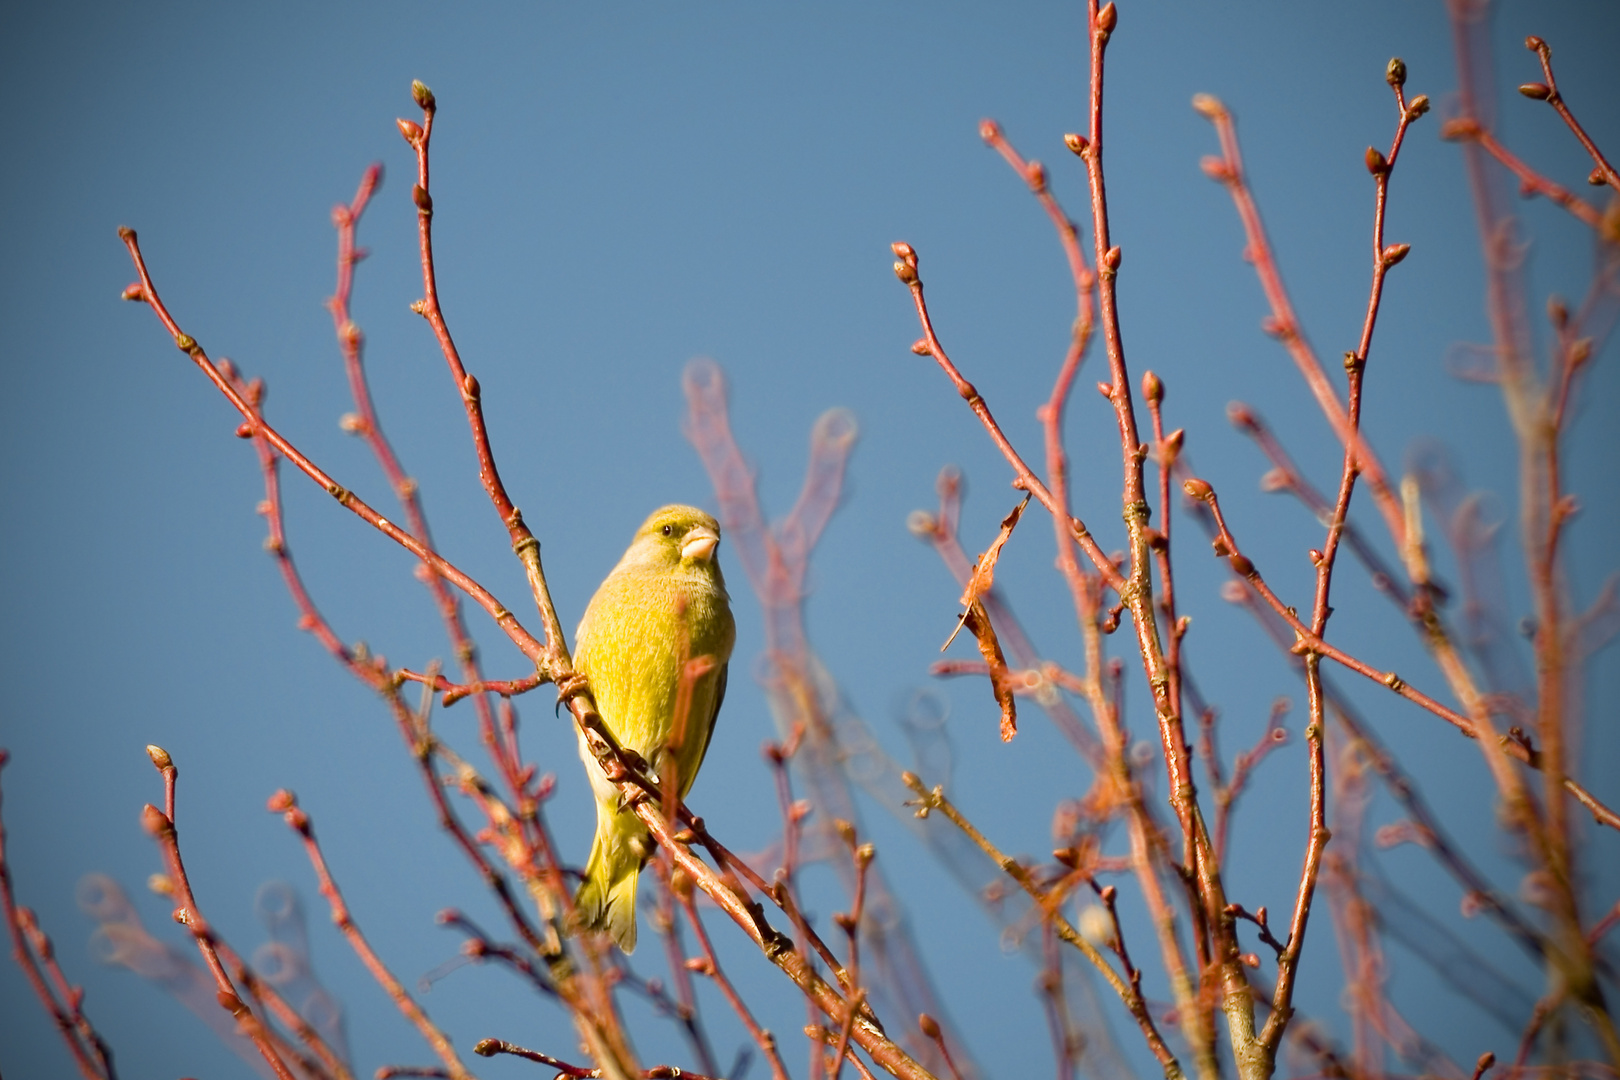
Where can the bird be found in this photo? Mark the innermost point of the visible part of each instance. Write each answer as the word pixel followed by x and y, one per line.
pixel 662 608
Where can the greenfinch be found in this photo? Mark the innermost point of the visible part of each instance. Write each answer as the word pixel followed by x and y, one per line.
pixel 662 618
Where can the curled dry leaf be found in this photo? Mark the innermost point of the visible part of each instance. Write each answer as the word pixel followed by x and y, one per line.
pixel 977 621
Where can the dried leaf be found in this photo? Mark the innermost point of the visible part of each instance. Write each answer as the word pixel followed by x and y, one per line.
pixel 984 571
pixel 978 623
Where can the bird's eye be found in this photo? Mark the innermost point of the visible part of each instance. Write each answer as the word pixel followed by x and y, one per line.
pixel 668 530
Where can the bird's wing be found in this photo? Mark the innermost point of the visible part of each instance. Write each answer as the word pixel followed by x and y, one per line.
pixel 714 718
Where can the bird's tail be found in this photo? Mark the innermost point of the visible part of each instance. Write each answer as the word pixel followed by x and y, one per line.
pixel 607 899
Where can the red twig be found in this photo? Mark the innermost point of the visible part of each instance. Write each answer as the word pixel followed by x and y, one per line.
pixel 364 422
pixel 710 966
pixel 491 1047
pixel 31 948
pixel 1548 92
pixel 284 803
pixel 524 544
pixel 256 425
pixel 376 675
pixel 162 828
pixel 1531 182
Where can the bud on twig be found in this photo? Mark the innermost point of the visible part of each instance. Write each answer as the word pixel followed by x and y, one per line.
pixel 1395 73
pixel 1395 253
pixel 930 1026
pixel 1208 106
pixel 989 130
pixel 155 821
pixel 905 272
pixel 134 292
pixel 423 201
pixel 1107 19
pixel 1557 312
pixel 411 131
pixel 1375 161
pixel 1152 387
pixel 1216 168
pixel 1417 107
pixel 921 347
pixel 1111 257
pixel 1198 489
pixel 1076 143
pixel 423 96
pixel 1596 177
pixel 160 757
pixel 1536 91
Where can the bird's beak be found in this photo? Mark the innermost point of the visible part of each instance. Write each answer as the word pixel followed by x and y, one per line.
pixel 700 544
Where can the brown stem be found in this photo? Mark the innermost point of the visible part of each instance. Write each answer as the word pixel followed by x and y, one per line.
pixel 162 828
pixel 1543 52
pixel 933 799
pixel 283 803
pixel 90 1054
pixel 256 425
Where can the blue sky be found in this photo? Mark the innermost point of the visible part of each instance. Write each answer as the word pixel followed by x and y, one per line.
pixel 620 188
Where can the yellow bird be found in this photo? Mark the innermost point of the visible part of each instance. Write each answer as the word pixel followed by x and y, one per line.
pixel 662 608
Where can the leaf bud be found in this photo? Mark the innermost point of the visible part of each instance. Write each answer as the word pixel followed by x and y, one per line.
pixel 1152 387
pixel 1215 168
pixel 1596 177
pixel 423 201
pixel 352 423
pixel 1557 312
pixel 1462 127
pixel 921 524
pixel 1108 18
pixel 902 250
pixel 1536 91
pixel 160 757
pixel 470 387
pixel 1417 106
pixel 1395 73
pixel 133 291
pixel 930 1026
pixel 411 131
pixel 1076 143
pixel 1241 565
pixel 423 96
pixel 1375 161
pixel 989 130
pixel 905 272
pixel 244 430
pixel 1106 390
pixel 1111 257
pixel 1274 480
pixel 1172 444
pixel 126 234
pixel 155 821
pixel 1198 489
pixel 921 347
pixel 1535 44
pixel 1241 417
pixel 1580 352
pixel 1035 175
pixel 1395 253
pixel 1208 106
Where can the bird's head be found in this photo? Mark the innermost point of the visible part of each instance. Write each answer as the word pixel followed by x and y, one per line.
pixel 677 535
